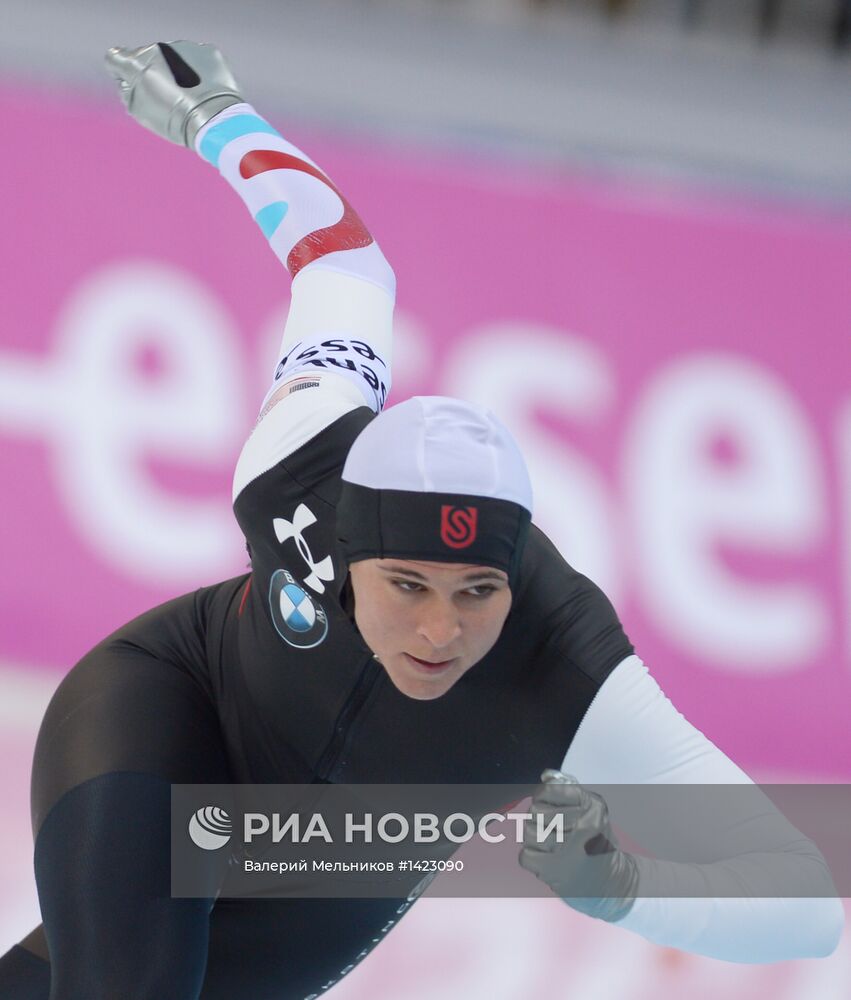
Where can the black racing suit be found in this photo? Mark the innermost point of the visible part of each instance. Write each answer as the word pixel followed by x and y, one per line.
pixel 265 678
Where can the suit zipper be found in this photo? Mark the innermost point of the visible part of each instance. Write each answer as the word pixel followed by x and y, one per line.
pixel 353 705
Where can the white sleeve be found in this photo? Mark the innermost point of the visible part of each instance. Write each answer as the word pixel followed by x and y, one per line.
pixel 343 289
pixel 632 734
pixel 314 384
pixel 338 324
pixel 310 404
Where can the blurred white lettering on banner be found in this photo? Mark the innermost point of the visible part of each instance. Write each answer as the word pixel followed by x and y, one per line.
pixel 717 456
pixel 104 421
pixel 720 452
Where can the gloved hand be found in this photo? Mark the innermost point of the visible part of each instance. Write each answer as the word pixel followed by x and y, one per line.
pixel 587 870
pixel 173 88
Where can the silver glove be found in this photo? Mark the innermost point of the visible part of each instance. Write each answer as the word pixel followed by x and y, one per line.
pixel 173 88
pixel 587 869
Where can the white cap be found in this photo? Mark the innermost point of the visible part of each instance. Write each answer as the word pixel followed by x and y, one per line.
pixel 437 444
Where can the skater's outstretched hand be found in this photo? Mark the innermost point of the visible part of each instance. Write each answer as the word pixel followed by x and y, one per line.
pixel 173 88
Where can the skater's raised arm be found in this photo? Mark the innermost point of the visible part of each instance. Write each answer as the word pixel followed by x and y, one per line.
pixel 340 321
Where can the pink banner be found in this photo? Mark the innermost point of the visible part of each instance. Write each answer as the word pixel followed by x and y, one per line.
pixel 675 367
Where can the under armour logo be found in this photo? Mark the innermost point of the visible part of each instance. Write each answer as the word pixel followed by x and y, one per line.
pixel 284 529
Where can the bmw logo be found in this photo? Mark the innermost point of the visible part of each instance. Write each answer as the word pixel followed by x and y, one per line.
pixel 299 619
pixel 297 608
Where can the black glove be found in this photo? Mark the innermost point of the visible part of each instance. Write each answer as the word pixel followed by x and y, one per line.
pixel 587 869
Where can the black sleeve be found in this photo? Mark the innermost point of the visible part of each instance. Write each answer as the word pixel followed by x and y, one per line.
pixel 288 513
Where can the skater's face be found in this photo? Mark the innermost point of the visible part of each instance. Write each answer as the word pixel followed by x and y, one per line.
pixel 428 622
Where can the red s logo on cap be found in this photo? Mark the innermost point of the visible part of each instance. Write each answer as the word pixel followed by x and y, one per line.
pixel 458 525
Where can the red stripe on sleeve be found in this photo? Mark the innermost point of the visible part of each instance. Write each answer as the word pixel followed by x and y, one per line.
pixel 348 234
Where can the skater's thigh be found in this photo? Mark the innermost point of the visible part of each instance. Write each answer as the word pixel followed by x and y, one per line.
pixel 134 703
pixel 124 724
